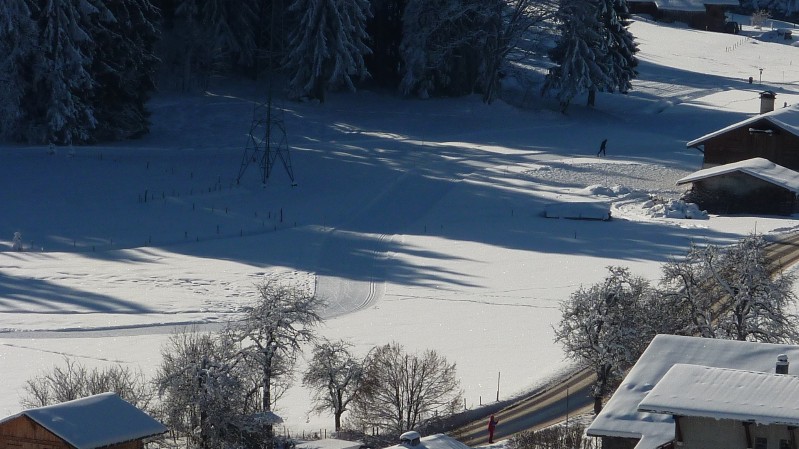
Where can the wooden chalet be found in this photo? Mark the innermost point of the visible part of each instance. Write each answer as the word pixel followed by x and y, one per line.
pixel 751 166
pixel 699 14
pixel 100 421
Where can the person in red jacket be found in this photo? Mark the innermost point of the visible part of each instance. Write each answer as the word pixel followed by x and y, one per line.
pixel 492 425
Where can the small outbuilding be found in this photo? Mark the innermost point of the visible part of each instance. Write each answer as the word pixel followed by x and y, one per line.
pixel 100 421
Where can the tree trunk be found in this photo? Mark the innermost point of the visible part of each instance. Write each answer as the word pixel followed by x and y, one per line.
pixel 591 97
pixel 597 404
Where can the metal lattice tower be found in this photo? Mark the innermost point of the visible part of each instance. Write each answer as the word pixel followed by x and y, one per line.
pixel 267 140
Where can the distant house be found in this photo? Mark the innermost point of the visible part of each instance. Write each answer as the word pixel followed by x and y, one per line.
pixel 755 185
pixel 699 14
pixel 100 421
pixel 717 408
pixel 622 425
pixel 756 163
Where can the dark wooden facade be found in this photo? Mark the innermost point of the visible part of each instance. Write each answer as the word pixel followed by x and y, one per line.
pixel 24 433
pixel 736 193
pixel 758 139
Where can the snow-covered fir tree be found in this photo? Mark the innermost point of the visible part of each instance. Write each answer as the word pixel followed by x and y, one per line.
pixel 62 97
pixel 19 59
pixel 621 47
pixel 579 55
pixel 327 47
pixel 125 33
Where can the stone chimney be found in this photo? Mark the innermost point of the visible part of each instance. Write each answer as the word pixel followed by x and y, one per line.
pixel 782 364
pixel 767 101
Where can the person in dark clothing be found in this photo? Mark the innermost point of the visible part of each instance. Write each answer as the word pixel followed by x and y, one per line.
pixel 492 425
pixel 601 151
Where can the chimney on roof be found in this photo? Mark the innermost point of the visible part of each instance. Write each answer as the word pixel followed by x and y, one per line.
pixel 782 364
pixel 767 101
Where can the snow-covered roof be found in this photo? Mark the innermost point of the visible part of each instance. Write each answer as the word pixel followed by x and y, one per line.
pixel 783 118
pixel 620 416
pixel 329 443
pixel 723 393
pixel 94 421
pixel 687 5
pixel 758 167
pixel 437 441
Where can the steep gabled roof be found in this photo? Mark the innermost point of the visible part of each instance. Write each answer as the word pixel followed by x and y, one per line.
pixel 620 417
pixel 723 393
pixel 758 167
pixel 783 118
pixel 94 421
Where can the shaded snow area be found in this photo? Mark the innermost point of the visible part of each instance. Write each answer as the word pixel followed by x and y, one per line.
pixel 419 222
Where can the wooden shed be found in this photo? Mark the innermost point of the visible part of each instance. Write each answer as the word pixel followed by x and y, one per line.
pixel 699 14
pixel 755 185
pixel 100 421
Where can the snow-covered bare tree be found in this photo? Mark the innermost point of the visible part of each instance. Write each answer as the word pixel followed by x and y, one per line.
pixel 579 53
pixel 401 390
pixel 199 382
pixel 443 44
pixel 75 381
pixel 507 31
pixel 274 329
pixel 327 47
pixel 335 376
pixel 730 292
pixel 604 327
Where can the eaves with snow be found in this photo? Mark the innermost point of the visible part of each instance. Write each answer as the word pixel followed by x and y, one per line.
pixel 723 393
pixel 621 418
pixel 786 119
pixel 757 167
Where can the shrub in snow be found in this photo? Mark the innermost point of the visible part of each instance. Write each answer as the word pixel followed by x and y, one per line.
pixel 16 242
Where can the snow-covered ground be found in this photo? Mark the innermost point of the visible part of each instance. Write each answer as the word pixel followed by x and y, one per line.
pixel 418 221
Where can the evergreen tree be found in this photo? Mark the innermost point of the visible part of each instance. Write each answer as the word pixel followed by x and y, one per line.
pixel 328 46
pixel 60 104
pixel 385 32
pixel 621 48
pixel 580 53
pixel 19 59
pixel 125 33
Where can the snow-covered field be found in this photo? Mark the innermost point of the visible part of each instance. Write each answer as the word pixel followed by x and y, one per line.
pixel 418 221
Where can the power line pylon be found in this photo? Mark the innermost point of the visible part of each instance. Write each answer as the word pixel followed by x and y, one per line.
pixel 267 140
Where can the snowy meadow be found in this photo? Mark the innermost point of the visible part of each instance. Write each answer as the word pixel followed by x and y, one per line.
pixel 418 221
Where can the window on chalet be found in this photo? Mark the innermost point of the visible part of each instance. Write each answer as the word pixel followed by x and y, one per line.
pixel 761 443
pixel 785 444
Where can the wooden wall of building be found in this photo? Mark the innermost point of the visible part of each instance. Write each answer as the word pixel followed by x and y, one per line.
pixel 740 144
pixel 738 193
pixel 25 433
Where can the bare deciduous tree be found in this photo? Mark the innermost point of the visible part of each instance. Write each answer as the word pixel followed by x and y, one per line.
pixel 75 381
pixel 401 390
pixel 335 375
pixel 273 330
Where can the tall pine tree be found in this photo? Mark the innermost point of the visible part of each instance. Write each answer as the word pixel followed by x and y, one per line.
pixel 19 60
pixel 579 53
pixel 327 47
pixel 595 51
